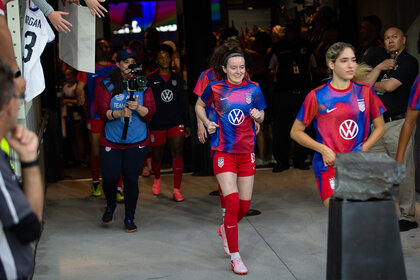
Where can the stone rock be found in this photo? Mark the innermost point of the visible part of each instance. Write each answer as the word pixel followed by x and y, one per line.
pixel 364 175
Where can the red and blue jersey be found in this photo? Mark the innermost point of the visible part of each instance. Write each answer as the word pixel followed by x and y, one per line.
pixel 204 80
pixel 341 117
pixel 414 100
pixel 232 103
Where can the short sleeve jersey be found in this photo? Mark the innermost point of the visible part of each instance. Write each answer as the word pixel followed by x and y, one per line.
pixel 341 117
pixel 414 100
pixel 236 132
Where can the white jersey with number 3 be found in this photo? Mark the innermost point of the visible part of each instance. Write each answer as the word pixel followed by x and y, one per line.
pixel 35 36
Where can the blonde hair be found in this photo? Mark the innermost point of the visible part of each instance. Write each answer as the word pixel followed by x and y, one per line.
pixel 362 72
pixel 335 50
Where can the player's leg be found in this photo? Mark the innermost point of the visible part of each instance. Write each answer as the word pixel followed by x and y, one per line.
pixel 157 147
pixel 176 142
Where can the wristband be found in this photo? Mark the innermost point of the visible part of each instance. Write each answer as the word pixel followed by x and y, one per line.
pixel 27 164
pixel 112 114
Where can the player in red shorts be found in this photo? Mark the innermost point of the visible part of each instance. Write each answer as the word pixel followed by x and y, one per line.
pixel 342 111
pixel 170 122
pixel 237 103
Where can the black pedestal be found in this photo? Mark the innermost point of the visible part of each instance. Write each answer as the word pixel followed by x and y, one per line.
pixel 364 241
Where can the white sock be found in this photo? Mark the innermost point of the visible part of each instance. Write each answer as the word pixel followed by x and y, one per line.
pixel 234 256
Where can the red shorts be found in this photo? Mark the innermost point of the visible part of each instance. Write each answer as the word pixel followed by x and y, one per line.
pixel 94 126
pixel 158 137
pixel 326 183
pixel 241 164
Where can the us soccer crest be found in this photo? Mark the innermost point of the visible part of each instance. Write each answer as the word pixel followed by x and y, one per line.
pixel 332 183
pixel 252 157
pixel 248 99
pixel 361 103
pixel 220 162
pixel 174 83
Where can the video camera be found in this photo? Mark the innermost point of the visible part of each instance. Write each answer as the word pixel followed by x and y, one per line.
pixel 137 82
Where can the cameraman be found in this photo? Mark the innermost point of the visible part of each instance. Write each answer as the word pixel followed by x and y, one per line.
pixel 123 155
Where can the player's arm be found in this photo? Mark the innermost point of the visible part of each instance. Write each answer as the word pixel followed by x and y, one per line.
pixel 80 93
pixel 406 131
pixel 200 110
pixel 298 134
pixel 387 86
pixel 374 137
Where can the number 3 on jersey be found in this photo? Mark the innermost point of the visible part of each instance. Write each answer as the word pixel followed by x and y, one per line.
pixel 29 46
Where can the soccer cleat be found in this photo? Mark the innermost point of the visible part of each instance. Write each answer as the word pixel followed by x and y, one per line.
pixel 96 189
pixel 178 196
pixel 107 217
pixel 238 266
pixel 222 234
pixel 156 186
pixel 130 226
pixel 120 196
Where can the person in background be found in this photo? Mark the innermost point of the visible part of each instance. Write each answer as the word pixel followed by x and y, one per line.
pixel 170 122
pixel 118 154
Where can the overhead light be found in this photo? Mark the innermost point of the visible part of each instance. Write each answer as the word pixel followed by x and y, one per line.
pixel 250 8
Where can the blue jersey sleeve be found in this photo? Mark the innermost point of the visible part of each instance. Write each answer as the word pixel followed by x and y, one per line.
pixel 259 101
pixel 208 96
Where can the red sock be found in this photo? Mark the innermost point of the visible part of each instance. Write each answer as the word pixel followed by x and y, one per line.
pixel 119 185
pixel 222 201
pixel 243 208
pixel 95 167
pixel 156 168
pixel 231 221
pixel 178 168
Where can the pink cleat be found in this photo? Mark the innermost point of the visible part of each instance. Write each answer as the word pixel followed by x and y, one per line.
pixel 221 232
pixel 178 196
pixel 156 186
pixel 238 266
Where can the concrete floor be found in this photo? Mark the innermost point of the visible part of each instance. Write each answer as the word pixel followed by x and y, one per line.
pixel 180 241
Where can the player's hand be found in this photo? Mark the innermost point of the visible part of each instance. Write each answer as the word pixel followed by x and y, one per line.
pixel 59 23
pixel 96 8
pixel 258 116
pixel 80 99
pixel 201 132
pixel 126 113
pixel 211 127
pixel 133 105
pixel 387 64
pixel 257 127
pixel 328 156
pixel 187 132
pixel 20 84
pixel 24 142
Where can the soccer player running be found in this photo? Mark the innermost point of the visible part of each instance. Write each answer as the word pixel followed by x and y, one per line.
pixel 341 111
pixel 237 102
pixel 169 119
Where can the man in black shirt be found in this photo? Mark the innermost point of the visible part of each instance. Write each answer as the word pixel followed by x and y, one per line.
pixel 392 78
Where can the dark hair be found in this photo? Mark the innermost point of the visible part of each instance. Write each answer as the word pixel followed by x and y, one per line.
pixel 374 21
pixel 230 45
pixel 164 48
pixel 116 79
pixel 102 50
pixel 7 88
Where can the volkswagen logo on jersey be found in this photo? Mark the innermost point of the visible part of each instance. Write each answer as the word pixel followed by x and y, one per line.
pixel 220 162
pixel 348 129
pixel 167 95
pixel 361 103
pixel 236 117
pixel 248 99
pixel 119 97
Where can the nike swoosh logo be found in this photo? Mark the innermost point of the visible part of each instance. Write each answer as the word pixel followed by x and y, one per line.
pixel 231 226
pixel 329 111
pixel 223 98
pixel 155 83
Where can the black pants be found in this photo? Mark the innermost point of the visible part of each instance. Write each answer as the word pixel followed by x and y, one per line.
pixel 129 162
pixel 285 108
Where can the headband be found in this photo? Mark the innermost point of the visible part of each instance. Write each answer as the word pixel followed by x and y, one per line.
pixel 232 55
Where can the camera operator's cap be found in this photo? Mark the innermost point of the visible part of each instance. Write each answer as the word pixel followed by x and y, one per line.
pixel 125 53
